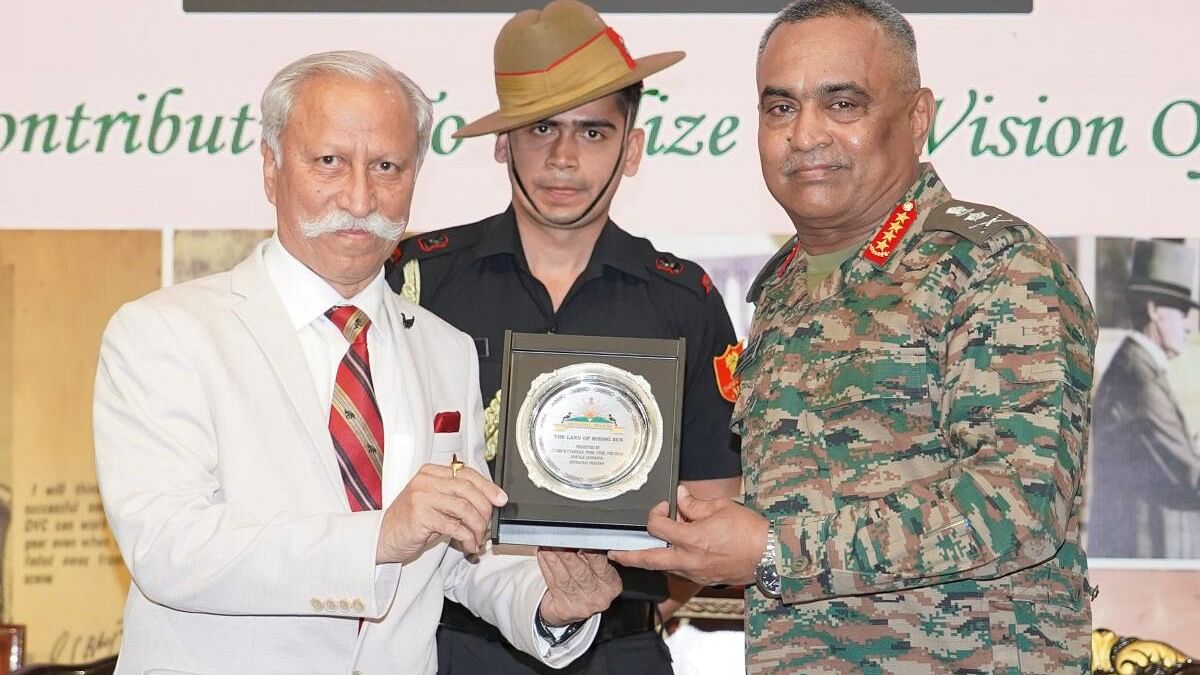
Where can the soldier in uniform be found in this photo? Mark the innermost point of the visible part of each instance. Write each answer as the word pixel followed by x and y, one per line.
pixel 914 399
pixel 554 262
pixel 1145 491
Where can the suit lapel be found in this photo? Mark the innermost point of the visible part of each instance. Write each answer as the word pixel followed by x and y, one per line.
pixel 267 321
pixel 413 360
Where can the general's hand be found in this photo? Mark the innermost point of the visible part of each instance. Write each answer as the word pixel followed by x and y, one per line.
pixel 579 584
pixel 714 541
pixel 436 504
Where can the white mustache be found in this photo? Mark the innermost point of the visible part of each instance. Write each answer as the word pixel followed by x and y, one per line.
pixel 341 221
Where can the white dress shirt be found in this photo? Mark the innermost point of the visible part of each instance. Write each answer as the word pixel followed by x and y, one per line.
pixel 306 297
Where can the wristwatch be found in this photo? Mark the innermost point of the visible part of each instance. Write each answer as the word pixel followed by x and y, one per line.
pixel 766 575
pixel 555 635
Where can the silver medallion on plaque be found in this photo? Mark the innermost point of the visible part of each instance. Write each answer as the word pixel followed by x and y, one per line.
pixel 589 431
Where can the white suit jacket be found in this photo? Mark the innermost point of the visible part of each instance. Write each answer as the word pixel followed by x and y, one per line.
pixel 222 488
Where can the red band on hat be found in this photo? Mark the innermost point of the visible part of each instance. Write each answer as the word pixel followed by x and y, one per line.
pixel 607 32
pixel 620 43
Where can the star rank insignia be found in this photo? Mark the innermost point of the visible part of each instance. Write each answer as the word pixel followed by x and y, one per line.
pixel 889 235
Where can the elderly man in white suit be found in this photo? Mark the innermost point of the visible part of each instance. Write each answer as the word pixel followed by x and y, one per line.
pixel 278 478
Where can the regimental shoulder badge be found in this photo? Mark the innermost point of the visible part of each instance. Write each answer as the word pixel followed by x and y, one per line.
pixel 725 366
pixel 668 265
pixel 433 243
pixel 890 234
pixel 976 222
pixel 437 243
pixel 680 272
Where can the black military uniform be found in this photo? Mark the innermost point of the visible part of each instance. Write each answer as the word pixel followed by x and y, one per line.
pixel 476 277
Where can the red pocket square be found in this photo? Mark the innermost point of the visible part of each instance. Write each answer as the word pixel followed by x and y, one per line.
pixel 446 422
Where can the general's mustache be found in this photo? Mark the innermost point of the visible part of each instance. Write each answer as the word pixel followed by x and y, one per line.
pixel 802 161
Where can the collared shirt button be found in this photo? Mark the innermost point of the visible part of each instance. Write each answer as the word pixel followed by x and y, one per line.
pixel 317 605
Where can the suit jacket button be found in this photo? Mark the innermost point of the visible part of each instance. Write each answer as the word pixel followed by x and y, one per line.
pixel 317 605
pixel 343 605
pixel 331 605
pixel 359 606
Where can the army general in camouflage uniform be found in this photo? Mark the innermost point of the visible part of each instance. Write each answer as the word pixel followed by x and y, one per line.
pixel 914 397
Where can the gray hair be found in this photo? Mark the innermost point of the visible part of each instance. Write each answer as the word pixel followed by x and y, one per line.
pixel 280 94
pixel 887 17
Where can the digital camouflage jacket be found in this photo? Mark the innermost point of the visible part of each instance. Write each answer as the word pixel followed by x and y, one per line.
pixel 916 429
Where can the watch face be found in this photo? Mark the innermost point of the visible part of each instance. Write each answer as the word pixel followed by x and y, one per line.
pixel 767 580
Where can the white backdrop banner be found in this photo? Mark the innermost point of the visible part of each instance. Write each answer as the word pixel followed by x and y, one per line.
pixel 1082 116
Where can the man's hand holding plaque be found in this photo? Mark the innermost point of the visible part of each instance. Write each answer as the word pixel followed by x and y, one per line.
pixel 453 501
pixel 578 585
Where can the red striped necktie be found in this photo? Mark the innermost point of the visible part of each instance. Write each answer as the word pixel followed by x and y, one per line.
pixel 354 420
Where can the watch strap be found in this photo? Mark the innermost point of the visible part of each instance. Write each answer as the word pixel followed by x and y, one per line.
pixel 547 632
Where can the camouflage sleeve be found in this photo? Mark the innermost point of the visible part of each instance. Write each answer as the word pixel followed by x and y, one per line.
pixel 1014 412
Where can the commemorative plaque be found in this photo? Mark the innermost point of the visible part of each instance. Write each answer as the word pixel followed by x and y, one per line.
pixel 588 439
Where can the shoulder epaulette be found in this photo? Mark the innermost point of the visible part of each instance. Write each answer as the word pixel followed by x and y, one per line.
pixel 683 272
pixel 438 242
pixel 403 267
pixel 772 266
pixel 975 222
